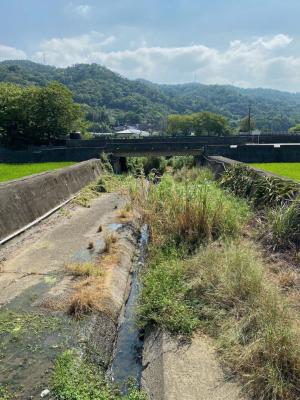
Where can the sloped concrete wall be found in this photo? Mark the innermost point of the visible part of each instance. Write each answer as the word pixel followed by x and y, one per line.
pixel 26 199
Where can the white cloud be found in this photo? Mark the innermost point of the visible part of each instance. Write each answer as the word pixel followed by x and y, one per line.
pixel 11 53
pixel 83 9
pixel 261 62
pixel 249 64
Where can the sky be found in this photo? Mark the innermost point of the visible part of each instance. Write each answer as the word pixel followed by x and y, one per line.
pixel 247 43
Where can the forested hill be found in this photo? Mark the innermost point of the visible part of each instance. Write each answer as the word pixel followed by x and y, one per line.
pixel 108 98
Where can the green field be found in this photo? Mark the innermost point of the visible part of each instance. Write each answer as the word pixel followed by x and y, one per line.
pixel 290 170
pixel 15 171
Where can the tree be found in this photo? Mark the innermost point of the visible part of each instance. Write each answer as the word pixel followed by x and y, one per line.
pixel 207 123
pixel 295 129
pixel 34 115
pixel 244 124
pixel 204 123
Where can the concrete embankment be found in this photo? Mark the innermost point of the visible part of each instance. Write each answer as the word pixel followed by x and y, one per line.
pixel 24 200
pixel 34 281
pixel 174 369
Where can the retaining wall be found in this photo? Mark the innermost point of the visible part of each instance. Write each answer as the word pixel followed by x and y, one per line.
pixel 24 200
pixel 218 165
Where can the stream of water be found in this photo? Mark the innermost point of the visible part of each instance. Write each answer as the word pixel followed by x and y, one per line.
pixel 128 357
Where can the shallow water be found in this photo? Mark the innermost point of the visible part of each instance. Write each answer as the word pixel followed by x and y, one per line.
pixel 127 362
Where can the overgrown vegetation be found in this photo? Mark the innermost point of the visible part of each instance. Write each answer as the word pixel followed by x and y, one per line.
pixel 192 211
pixel 139 166
pixel 262 190
pixel 77 379
pixel 221 286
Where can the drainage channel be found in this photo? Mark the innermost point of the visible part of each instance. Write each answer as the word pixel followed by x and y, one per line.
pixel 127 363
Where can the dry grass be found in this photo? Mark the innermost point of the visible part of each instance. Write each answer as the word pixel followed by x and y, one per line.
pixel 126 213
pixel 110 240
pixel 90 246
pixel 256 328
pixel 84 269
pixel 83 302
pixel 288 279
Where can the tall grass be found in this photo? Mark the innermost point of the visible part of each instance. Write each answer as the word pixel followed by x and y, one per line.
pixel 256 329
pixel 192 211
pixel 260 189
pixel 201 275
pixel 282 227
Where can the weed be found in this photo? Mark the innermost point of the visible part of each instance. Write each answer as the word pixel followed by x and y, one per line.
pixel 179 162
pixel 83 302
pixel 191 212
pixel 283 227
pixel 109 240
pixel 90 246
pixel 162 300
pixel 77 379
pixel 105 163
pixel 4 394
pixel 260 189
pixel 87 194
pixel 84 269
pixel 255 327
pixel 126 212
pixel 100 229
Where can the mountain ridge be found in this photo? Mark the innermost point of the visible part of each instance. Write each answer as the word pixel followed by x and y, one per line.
pixel 109 98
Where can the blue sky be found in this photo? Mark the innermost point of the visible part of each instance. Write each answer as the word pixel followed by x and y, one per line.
pixel 248 43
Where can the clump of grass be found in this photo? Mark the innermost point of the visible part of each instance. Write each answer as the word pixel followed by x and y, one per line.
pixel 192 212
pixel 283 227
pixel 74 378
pixel 82 303
pixel 84 269
pixel 90 192
pixel 163 297
pixel 126 212
pixel 110 240
pixel 100 229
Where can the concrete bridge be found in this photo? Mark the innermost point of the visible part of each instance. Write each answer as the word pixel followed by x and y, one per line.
pixel 265 148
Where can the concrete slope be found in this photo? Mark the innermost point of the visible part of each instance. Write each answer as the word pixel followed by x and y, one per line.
pixel 175 370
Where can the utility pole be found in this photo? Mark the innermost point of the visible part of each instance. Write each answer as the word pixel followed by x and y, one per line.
pixel 249 119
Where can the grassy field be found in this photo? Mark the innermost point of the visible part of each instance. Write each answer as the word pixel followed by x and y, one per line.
pixel 15 171
pixel 290 170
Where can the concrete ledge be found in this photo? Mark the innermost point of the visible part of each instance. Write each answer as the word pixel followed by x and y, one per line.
pixel 218 165
pixel 24 200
